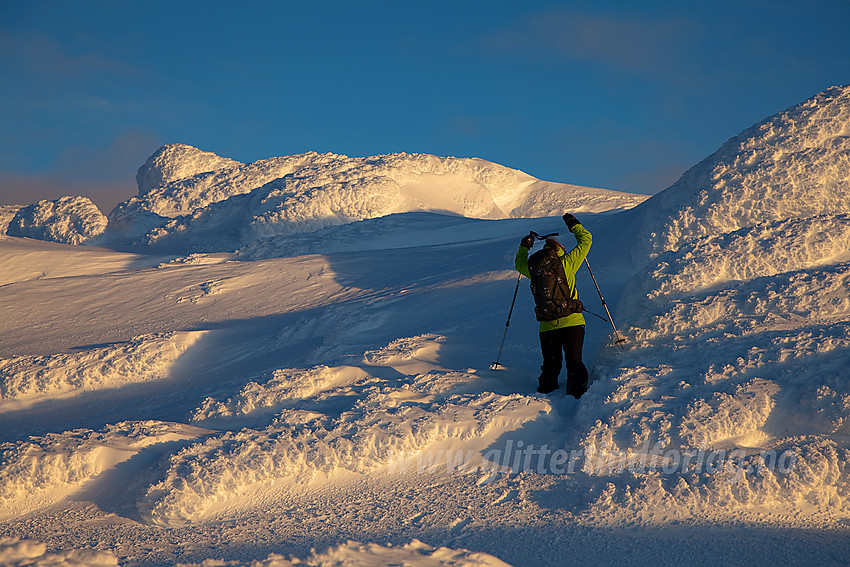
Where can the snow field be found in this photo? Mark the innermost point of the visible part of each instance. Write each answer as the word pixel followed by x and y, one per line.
pixel 334 376
pixel 26 379
pixel 45 470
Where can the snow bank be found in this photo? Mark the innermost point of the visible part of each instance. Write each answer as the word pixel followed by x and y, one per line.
pixel 763 250
pixel 413 554
pixel 226 476
pixel 69 220
pixel 793 165
pixel 144 358
pixel 15 552
pixel 213 204
pixel 45 470
pixel 738 331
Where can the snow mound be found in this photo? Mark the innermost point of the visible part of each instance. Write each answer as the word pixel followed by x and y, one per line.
pixel 45 470
pixel 237 204
pixel 813 477
pixel 142 359
pixel 225 476
pixel 793 165
pixel 69 220
pixel 15 552
pixel 737 320
pixel 413 554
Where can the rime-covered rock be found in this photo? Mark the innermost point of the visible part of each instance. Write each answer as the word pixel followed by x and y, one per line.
pixel 69 220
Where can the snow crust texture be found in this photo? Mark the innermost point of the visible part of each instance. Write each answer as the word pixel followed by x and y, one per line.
pixel 793 165
pixel 69 220
pixel 388 424
pixel 15 552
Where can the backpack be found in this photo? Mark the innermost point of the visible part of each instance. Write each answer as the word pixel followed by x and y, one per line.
pixel 552 294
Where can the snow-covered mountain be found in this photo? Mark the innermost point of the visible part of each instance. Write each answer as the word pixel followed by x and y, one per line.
pixel 196 200
pixel 333 385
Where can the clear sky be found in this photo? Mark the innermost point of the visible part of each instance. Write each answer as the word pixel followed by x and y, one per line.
pixel 621 95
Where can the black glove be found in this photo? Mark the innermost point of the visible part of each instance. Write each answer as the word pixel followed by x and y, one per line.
pixel 570 221
pixel 527 241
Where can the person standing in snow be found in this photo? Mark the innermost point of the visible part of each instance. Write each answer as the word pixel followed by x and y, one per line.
pixel 561 321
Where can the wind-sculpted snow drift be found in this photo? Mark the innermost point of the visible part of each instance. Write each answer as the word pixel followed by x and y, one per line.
pixel 388 425
pixel 194 199
pixel 793 165
pixel 44 470
pixel 25 379
pixel 738 326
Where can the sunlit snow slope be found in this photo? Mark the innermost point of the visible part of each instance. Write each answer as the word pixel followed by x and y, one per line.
pixel 738 325
pixel 190 199
pixel 323 377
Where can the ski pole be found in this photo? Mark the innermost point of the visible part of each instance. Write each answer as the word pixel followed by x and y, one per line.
pixel 617 337
pixel 495 365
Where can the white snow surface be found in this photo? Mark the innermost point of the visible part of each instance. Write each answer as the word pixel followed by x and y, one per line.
pixel 70 220
pixel 319 389
pixel 195 200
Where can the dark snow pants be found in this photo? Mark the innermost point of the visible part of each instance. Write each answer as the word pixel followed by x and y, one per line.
pixel 569 340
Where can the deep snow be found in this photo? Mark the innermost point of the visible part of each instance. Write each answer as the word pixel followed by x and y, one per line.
pixel 323 375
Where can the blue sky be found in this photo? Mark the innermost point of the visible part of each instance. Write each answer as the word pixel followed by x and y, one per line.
pixel 620 95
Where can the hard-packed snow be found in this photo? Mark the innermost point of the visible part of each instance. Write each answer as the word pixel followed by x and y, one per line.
pixel 70 220
pixel 328 382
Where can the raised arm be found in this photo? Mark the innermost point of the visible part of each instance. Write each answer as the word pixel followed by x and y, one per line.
pixel 574 258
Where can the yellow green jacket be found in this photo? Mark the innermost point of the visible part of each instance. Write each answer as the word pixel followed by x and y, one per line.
pixel 572 262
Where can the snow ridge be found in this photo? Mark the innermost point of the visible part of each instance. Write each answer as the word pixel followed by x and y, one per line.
pixel 233 204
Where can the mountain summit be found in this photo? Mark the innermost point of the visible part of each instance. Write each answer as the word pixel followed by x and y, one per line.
pixel 186 195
